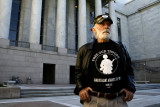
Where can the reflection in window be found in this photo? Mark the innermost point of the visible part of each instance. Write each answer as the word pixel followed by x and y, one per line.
pixel 15 13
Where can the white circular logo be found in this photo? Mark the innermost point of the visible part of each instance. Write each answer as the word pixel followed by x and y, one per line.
pixel 106 63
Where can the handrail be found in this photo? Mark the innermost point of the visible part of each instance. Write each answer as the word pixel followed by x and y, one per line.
pixel 49 48
pixel 71 51
pixel 19 44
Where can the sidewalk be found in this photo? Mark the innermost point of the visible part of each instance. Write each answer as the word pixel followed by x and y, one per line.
pixel 147 95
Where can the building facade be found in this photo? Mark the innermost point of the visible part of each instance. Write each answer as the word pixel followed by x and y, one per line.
pixel 39 38
pixel 143 29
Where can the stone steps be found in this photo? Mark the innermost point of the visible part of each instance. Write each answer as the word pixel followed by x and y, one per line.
pixel 46 92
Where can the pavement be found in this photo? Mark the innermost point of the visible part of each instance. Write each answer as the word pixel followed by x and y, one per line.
pixel 147 95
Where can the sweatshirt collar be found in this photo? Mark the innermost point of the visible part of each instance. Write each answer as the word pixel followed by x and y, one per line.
pixel 95 42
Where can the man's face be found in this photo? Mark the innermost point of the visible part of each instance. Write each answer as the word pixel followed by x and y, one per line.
pixel 102 30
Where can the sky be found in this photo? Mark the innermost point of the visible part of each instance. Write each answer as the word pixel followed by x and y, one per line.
pixel 123 1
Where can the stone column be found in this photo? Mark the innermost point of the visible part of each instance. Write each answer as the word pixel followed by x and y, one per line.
pixel 82 28
pixel 71 25
pixel 5 16
pixel 98 7
pixel 35 23
pixel 24 26
pixel 113 17
pixel 61 24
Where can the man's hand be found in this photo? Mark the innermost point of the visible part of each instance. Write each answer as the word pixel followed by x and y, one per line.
pixel 84 95
pixel 129 95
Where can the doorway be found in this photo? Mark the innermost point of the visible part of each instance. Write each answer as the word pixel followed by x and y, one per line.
pixel 72 73
pixel 48 73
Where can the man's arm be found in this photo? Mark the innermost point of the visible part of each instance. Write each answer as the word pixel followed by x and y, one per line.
pixel 78 71
pixel 129 89
pixel 130 73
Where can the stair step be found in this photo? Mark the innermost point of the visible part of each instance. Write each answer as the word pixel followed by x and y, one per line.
pixel 60 89
pixel 46 95
pixel 45 92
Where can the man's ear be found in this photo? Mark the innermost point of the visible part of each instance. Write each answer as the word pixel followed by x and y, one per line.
pixel 93 30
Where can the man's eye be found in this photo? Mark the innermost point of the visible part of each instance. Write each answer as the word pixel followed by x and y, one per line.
pixel 102 24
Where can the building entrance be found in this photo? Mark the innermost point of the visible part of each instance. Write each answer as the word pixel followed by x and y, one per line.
pixel 72 72
pixel 48 73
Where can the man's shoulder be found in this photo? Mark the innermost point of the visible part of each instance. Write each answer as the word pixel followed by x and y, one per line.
pixel 116 42
pixel 84 48
pixel 87 46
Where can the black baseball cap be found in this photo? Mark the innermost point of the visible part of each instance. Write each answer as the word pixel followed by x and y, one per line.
pixel 99 19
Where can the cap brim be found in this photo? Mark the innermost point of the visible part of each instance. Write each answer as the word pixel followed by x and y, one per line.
pixel 100 21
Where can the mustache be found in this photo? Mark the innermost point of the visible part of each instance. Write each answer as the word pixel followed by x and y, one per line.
pixel 106 31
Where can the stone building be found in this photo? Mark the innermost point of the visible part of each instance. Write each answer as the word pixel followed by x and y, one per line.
pixel 143 20
pixel 39 38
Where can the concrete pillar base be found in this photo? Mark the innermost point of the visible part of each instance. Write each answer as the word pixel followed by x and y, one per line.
pixel 62 51
pixel 4 42
pixel 35 46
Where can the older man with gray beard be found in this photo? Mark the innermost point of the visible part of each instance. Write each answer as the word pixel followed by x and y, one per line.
pixel 104 81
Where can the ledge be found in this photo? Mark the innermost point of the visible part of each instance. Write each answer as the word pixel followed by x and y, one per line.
pixel 9 92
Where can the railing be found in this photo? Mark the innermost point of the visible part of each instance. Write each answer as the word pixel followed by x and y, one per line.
pixel 49 48
pixel 71 51
pixel 146 68
pixel 44 47
pixel 19 44
pixel 146 82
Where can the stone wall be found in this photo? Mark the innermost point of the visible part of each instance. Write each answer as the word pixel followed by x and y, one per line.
pixel 144 33
pixel 147 70
pixel 25 62
pixel 9 92
pixel 136 5
pixel 141 29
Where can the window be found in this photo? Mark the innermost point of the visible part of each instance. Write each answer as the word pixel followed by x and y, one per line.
pixel 14 23
pixel 119 29
pixel 48 73
pixel 72 74
pixel 92 15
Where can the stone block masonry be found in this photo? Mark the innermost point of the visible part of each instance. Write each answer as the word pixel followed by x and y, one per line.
pixel 24 63
pixel 9 92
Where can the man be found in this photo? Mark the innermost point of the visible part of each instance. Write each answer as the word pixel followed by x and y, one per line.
pixel 104 75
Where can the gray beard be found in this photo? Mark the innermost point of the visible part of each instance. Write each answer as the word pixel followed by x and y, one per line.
pixel 104 35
